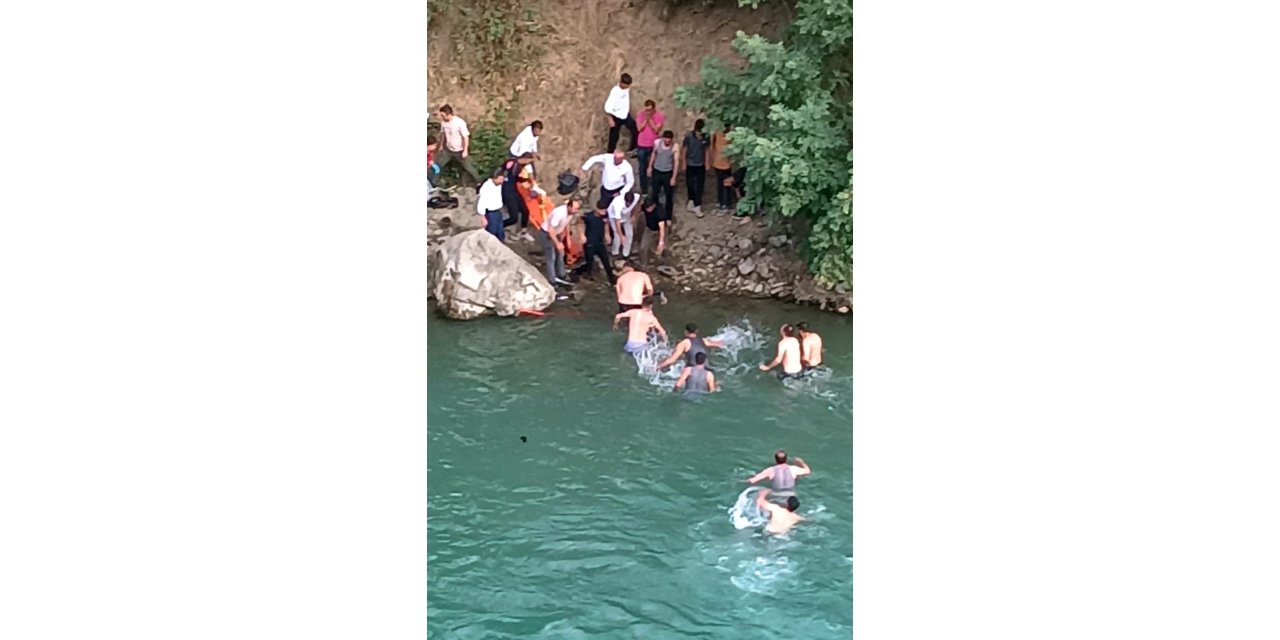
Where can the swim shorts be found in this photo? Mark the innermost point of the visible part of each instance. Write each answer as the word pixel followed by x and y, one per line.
pixel 782 375
pixel 633 346
pixel 623 308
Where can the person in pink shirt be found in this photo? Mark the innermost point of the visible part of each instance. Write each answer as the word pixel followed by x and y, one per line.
pixel 650 122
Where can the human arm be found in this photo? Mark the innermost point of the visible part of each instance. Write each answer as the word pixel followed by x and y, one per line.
pixel 712 342
pixel 681 348
pixel 662 236
pixel 711 382
pixel 762 500
pixel 648 169
pixel 800 468
pixel 675 169
pixel 655 123
pixel 776 360
pixel 684 375
pixel 618 318
pixel 658 325
pixel 648 285
pixel 466 139
pixel 592 161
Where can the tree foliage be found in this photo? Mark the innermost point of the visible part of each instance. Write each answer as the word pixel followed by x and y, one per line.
pixel 790 110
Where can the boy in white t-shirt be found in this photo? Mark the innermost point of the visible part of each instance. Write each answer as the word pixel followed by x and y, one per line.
pixel 620 219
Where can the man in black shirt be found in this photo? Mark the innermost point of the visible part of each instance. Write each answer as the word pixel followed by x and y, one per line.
pixel 655 235
pixel 597 240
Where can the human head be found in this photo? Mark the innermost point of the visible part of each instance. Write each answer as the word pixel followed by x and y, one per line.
pixel 803 328
pixel 788 331
pixel 699 124
pixel 499 176
pixel 431 141
pixel 780 456
pixel 536 127
pixel 668 135
pixel 625 81
pixel 627 266
pixel 699 358
pixel 602 204
pixel 525 158
pixel 727 127
pixel 446 113
pixel 650 105
pixel 619 156
pixel 573 205
pixel 649 203
pixel 631 199
pixel 793 503
pixel 647 302
pixel 691 329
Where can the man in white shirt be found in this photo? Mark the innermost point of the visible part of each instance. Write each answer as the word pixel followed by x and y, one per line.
pixel 616 175
pixel 527 141
pixel 489 205
pixel 618 107
pixel 553 235
pixel 457 142
pixel 620 209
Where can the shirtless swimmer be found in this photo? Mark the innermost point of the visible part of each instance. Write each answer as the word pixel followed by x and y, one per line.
pixel 641 321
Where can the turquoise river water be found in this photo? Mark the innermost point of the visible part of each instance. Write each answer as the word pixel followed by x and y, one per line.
pixel 611 519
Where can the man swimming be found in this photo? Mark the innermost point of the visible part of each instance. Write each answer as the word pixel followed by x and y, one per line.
pixel 641 321
pixel 697 378
pixel 788 355
pixel 633 285
pixel 780 520
pixel 810 347
pixel 782 475
pixel 690 347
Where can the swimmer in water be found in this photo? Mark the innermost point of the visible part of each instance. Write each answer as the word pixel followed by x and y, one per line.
pixel 690 347
pixel 697 378
pixel 641 321
pixel 810 347
pixel 788 355
pixel 633 285
pixel 780 520
pixel 782 475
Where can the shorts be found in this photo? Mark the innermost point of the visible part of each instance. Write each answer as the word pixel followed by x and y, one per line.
pixel 633 346
pixel 782 375
pixel 623 307
pixel 808 369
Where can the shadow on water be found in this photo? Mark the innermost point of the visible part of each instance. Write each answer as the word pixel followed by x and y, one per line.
pixel 610 518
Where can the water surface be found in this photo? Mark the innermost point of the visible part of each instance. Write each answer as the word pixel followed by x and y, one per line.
pixel 611 519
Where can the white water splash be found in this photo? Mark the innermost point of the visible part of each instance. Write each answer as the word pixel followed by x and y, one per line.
pixel 736 338
pixel 745 513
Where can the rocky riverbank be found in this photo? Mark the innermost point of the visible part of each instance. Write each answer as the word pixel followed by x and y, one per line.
pixel 714 254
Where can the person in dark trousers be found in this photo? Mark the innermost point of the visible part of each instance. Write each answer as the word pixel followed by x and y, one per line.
pixel 736 183
pixel 720 162
pixel 597 241
pixel 489 205
pixel 618 107
pixel 694 158
pixel 662 171
pixel 517 211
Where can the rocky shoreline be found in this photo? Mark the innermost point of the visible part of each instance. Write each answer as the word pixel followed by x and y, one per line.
pixel 714 254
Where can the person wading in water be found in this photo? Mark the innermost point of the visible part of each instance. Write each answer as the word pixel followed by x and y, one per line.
pixel 690 347
pixel 782 475
pixel 697 378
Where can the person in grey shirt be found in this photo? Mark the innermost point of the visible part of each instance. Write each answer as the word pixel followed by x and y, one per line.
pixel 697 378
pixel 662 172
pixel 694 158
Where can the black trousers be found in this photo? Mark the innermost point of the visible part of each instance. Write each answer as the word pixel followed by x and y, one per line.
pixel 662 185
pixel 516 210
pixel 616 127
pixel 592 252
pixel 724 194
pixel 607 194
pixel 695 178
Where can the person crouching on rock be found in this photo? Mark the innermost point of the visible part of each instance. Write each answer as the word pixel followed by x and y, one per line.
pixel 489 205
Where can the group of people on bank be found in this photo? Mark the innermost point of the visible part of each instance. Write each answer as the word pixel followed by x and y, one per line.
pixel 622 222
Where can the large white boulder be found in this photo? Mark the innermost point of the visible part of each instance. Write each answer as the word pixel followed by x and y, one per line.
pixel 473 274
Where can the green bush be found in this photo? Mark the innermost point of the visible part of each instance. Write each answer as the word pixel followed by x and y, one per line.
pixel 790 109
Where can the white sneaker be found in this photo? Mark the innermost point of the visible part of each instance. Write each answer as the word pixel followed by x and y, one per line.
pixel 697 211
pixel 688 206
pixel 562 281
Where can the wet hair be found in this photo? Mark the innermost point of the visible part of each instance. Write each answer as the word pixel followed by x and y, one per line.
pixel 625 79
pixel 650 103
pixel 668 134
pixel 691 328
pixel 788 330
pixel 793 502
pixel 444 108
pixel 780 457
pixel 647 302
pixel 699 124
pixel 802 327
pixel 699 358
pixel 536 124
pixel 602 203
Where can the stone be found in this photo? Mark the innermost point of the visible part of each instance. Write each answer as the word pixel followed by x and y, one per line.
pixel 764 270
pixel 777 242
pixel 759 288
pixel 843 309
pixel 473 274
pixel 713 251
pixel 744 243
pixel 667 271
pixel 746 266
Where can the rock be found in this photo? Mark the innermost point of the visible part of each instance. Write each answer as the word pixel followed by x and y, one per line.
pixel 713 251
pixel 777 242
pixel 764 270
pixel 669 272
pixel 841 290
pixel 473 274
pixel 746 266
pixel 744 243
pixel 843 309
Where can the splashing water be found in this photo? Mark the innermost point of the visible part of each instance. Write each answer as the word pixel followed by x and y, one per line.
pixel 736 339
pixel 745 513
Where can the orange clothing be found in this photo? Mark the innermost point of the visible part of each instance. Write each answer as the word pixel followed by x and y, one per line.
pixel 719 140
pixel 573 248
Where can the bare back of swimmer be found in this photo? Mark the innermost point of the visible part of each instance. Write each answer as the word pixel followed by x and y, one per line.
pixel 641 321
pixel 788 355
pixel 780 519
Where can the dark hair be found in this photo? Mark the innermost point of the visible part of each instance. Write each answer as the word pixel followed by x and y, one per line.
pixel 536 124
pixel 444 108
pixel 625 79
pixel 649 202
pixel 499 173
pixel 650 103
pixel 528 155
pixel 629 264
pixel 780 457
pixel 431 140
pixel 793 503
pixel 668 134
pixel 699 124
pixel 572 201
pixel 602 203
pixel 788 330
pixel 700 358
pixel 691 328
pixel 727 126
pixel 632 197
pixel 803 327
pixel 647 301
